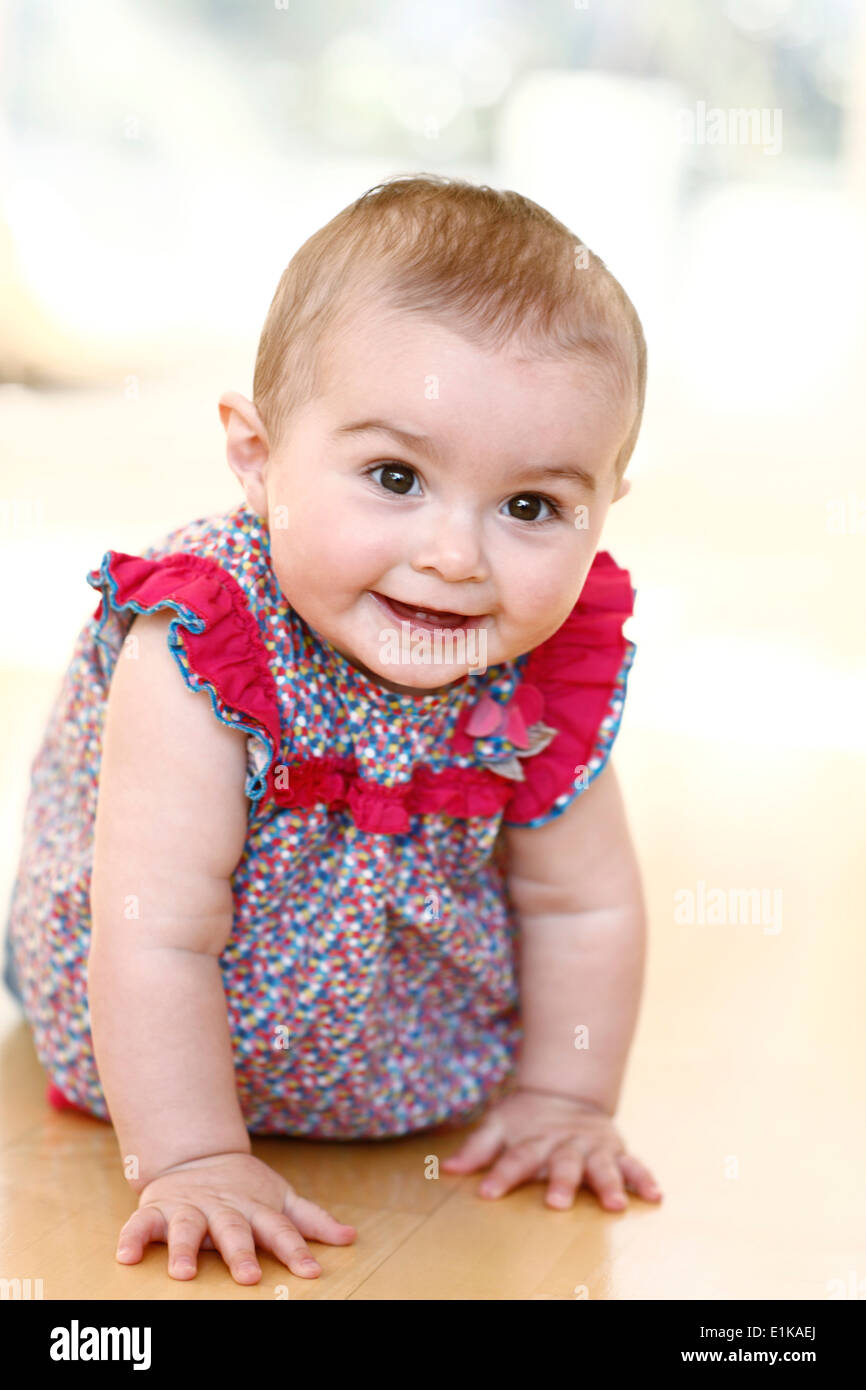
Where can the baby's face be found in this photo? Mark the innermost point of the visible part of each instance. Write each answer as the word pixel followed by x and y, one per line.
pixel 454 513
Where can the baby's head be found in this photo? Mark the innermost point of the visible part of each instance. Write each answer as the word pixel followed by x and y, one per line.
pixel 448 388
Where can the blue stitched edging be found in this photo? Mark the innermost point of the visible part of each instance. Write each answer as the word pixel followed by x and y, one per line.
pixel 256 782
pixel 607 732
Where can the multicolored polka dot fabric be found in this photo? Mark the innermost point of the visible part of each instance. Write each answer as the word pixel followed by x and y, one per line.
pixel 370 978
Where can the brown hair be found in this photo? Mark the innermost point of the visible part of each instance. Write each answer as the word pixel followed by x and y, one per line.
pixel 491 264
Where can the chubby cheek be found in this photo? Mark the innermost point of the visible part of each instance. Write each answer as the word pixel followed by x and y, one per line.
pixel 292 556
pixel 540 596
pixel 333 560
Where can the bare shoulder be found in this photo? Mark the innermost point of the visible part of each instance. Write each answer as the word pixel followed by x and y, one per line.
pixel 172 808
pixel 582 857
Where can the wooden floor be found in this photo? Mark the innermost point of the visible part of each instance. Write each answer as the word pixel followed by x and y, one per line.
pixel 743 767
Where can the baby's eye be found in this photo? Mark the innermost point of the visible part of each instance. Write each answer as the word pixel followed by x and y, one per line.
pixel 396 477
pixel 527 504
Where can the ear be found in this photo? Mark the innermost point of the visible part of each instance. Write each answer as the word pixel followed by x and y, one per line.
pixel 247 447
pixel 624 487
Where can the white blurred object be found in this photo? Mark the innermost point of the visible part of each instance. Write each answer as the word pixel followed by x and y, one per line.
pixel 752 692
pixel 155 201
pixel 771 297
pixel 600 152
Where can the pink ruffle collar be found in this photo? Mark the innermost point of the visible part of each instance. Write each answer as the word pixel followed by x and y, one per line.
pixel 525 754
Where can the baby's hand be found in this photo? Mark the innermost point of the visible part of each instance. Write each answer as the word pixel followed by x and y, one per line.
pixel 235 1202
pixel 549 1136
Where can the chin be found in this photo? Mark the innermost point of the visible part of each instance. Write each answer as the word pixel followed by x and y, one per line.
pixel 428 682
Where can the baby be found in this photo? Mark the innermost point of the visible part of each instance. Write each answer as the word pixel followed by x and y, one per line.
pixel 379 879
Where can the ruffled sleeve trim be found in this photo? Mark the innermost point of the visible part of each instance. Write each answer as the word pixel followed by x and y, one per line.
pixel 557 732
pixel 530 759
pixel 214 639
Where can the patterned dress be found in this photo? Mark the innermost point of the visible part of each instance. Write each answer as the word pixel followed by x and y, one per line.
pixel 370 974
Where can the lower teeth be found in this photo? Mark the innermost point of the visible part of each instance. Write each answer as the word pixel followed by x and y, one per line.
pixel 422 615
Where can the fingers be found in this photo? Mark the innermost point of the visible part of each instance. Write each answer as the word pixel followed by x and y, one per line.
pixel 639 1178
pixel 312 1220
pixel 604 1170
pixel 564 1171
pixel 233 1238
pixel 145 1225
pixel 604 1175
pixel 186 1228
pixel 480 1148
pixel 280 1235
pixel 519 1162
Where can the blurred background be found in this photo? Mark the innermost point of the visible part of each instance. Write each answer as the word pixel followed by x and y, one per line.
pixel 159 165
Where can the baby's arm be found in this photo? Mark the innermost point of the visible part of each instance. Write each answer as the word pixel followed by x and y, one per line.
pixel 170 829
pixel 576 889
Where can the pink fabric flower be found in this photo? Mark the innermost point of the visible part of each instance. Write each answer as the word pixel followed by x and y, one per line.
pixel 504 733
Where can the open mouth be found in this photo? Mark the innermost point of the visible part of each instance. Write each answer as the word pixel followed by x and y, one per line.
pixel 431 618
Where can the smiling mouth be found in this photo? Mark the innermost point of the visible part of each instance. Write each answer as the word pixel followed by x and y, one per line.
pixel 425 617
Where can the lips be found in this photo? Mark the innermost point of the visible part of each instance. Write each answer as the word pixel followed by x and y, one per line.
pixel 423 617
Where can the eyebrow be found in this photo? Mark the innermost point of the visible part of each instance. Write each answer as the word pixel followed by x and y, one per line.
pixel 425 445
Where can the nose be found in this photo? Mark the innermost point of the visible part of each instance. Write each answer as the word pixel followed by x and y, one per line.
pixel 448 542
